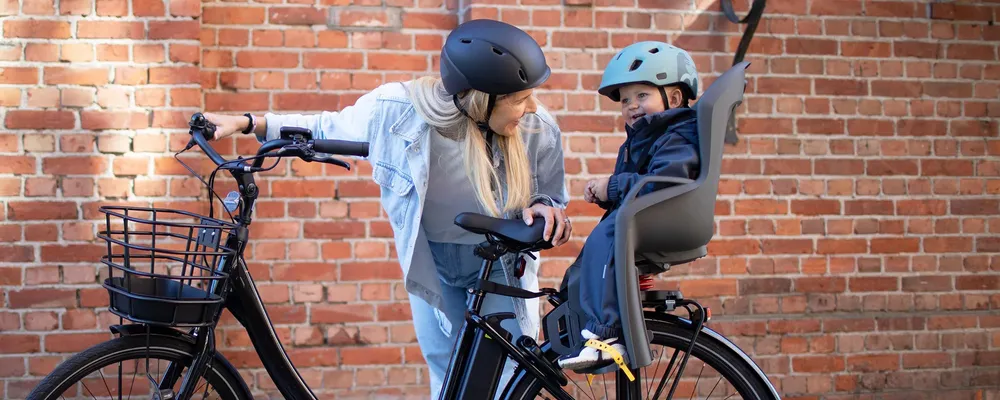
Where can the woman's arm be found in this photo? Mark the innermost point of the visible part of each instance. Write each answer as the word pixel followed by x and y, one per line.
pixel 351 123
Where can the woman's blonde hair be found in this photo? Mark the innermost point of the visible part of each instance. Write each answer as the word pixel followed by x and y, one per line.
pixel 437 108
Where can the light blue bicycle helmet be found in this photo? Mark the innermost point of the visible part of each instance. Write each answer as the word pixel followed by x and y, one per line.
pixel 656 63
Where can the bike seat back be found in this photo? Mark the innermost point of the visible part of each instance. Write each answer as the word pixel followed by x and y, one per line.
pixel 673 226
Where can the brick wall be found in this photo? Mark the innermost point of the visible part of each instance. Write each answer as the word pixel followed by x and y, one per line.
pixel 858 219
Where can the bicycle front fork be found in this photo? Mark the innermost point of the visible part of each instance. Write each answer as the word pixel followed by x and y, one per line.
pixel 205 345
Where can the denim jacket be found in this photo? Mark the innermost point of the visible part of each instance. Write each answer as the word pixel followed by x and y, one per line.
pixel 399 144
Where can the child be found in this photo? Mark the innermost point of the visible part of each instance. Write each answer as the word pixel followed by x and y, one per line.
pixel 653 82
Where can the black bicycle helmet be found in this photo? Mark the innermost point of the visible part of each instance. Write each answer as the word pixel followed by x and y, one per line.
pixel 493 57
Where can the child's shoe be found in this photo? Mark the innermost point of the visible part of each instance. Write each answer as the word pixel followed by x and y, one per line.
pixel 589 358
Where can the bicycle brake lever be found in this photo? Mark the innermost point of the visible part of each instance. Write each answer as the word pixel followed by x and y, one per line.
pixel 297 150
pixel 329 160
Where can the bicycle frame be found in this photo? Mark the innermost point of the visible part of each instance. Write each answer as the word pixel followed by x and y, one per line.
pixel 482 347
pixel 246 306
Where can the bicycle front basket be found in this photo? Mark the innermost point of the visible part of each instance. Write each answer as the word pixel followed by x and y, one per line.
pixel 166 267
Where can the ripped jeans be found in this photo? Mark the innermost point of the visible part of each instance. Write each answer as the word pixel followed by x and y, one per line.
pixel 436 330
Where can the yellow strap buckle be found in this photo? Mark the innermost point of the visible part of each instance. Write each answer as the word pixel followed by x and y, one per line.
pixel 597 344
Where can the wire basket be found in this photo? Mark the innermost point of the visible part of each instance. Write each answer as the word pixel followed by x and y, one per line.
pixel 166 267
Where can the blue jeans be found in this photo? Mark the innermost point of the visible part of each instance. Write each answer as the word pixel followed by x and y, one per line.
pixel 458 269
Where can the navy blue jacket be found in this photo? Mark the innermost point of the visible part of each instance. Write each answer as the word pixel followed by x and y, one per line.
pixel 671 139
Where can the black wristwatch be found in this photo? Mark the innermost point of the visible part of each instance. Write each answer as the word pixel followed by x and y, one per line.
pixel 252 125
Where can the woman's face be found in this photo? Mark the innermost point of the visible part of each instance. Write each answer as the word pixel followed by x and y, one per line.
pixel 508 111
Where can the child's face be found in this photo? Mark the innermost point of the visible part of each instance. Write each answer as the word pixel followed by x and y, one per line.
pixel 639 99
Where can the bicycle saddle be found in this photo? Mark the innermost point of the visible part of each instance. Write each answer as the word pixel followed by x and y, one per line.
pixel 512 233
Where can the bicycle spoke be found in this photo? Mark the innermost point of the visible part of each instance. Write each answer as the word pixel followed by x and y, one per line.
pixel 696 380
pixel 105 380
pixel 714 387
pixel 88 390
pixel 578 386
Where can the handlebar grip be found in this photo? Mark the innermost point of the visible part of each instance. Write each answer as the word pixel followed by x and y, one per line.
pixel 201 131
pixel 342 147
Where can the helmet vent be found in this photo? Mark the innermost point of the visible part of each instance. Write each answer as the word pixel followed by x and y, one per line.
pixel 654 50
pixel 635 65
pixel 520 73
pixel 466 41
pixel 661 75
pixel 495 50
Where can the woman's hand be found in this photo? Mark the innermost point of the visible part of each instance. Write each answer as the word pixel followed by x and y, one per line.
pixel 226 125
pixel 557 226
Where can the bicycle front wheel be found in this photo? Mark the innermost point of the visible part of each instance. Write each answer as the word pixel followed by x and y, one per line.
pixel 131 367
pixel 715 370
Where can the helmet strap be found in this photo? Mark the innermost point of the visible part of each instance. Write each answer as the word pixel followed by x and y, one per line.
pixel 663 95
pixel 484 126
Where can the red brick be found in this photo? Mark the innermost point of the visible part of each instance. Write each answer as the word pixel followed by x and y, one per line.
pixel 815 207
pixel 34 119
pixel 873 362
pixel 333 60
pixel 818 364
pixel 927 284
pixel 371 355
pixel 19 75
pixel 917 49
pixel 873 284
pixel 418 20
pixel 325 314
pixel 297 16
pixel 99 120
pixel 161 30
pixel 12 343
pixel 42 298
pixel 36 28
pixel 972 51
pixel 233 15
pixel 110 30
pixel 397 62
pixel 76 76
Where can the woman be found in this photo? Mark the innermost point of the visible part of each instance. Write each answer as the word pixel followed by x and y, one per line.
pixel 474 139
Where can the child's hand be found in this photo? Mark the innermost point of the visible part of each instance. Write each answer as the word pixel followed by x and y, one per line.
pixel 600 188
pixel 597 190
pixel 588 192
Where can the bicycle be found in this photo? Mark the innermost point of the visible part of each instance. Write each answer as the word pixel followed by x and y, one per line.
pixel 175 313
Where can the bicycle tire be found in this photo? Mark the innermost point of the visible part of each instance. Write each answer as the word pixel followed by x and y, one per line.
pixel 674 333
pixel 105 354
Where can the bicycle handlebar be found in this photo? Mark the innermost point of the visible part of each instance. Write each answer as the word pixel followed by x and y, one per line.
pixel 299 146
pixel 333 146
